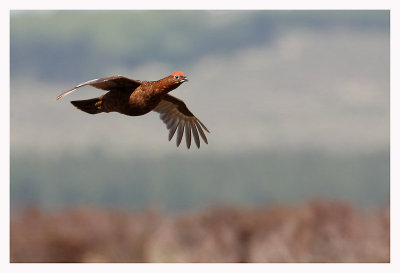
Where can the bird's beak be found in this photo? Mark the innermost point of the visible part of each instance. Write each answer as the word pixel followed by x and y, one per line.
pixel 184 79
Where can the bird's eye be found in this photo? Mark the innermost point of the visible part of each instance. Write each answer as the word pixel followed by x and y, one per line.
pixel 176 76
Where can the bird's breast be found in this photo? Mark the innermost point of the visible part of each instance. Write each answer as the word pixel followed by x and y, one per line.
pixel 141 102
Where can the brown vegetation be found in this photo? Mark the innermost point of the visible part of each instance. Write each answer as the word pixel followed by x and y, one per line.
pixel 315 232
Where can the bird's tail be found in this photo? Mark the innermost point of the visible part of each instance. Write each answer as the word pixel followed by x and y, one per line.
pixel 91 106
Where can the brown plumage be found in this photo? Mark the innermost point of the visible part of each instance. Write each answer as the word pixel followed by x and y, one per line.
pixel 136 98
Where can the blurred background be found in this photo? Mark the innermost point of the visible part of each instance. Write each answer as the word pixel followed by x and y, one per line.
pixel 297 166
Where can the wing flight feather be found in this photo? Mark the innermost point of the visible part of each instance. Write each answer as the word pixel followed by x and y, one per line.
pixel 178 118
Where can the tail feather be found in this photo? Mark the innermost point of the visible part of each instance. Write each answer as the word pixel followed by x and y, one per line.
pixel 91 106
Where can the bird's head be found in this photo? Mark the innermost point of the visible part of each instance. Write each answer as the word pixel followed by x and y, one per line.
pixel 178 77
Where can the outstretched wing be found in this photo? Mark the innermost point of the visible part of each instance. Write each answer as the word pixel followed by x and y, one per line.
pixel 177 116
pixel 113 83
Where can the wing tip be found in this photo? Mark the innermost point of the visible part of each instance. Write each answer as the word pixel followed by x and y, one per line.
pixel 183 129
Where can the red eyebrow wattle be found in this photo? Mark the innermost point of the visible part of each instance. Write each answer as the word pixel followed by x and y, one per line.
pixel 179 73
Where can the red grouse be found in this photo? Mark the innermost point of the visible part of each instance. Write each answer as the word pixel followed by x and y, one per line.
pixel 136 98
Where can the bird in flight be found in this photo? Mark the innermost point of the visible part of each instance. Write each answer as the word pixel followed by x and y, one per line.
pixel 135 98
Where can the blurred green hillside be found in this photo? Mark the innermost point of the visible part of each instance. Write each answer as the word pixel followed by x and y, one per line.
pixel 297 103
pixel 182 183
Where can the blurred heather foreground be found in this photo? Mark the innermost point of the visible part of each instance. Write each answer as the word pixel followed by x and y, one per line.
pixel 297 103
pixel 315 232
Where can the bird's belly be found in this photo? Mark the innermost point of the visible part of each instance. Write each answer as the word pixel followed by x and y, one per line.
pixel 135 104
pixel 138 109
pixel 140 105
